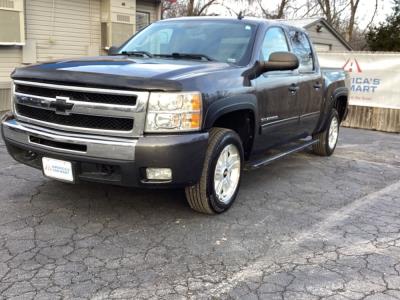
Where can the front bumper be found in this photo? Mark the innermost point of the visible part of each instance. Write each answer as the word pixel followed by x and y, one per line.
pixel 110 160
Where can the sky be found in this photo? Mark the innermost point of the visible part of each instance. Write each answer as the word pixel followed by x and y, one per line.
pixel 364 14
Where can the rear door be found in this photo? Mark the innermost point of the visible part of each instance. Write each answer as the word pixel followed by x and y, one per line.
pixel 277 94
pixel 310 93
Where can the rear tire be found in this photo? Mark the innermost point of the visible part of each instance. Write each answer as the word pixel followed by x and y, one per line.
pixel 327 140
pixel 220 179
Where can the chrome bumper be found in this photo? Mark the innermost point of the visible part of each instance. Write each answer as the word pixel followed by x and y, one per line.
pixel 95 146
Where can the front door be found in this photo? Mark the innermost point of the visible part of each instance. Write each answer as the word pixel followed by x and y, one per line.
pixel 310 93
pixel 277 94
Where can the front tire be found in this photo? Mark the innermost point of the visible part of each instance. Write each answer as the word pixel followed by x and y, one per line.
pixel 327 139
pixel 220 179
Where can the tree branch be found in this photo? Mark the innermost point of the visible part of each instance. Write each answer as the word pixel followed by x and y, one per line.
pixel 205 6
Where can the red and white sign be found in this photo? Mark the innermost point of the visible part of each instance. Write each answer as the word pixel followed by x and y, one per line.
pixel 375 77
pixel 352 65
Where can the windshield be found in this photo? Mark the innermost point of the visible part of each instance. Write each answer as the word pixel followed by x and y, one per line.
pixel 224 41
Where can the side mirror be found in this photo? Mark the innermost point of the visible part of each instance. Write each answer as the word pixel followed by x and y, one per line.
pixel 280 61
pixel 113 50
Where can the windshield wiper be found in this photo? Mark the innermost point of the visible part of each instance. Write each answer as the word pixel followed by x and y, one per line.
pixel 137 53
pixel 186 55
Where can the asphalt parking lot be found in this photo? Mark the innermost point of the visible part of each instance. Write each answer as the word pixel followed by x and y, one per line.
pixel 305 227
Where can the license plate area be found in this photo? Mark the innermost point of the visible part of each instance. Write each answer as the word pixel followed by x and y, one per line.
pixel 58 169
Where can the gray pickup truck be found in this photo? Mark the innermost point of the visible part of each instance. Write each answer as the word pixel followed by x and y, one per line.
pixel 186 102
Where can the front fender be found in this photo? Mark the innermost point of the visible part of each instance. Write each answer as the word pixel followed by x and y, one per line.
pixel 230 104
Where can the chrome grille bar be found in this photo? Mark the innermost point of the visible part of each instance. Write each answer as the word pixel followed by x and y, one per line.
pixel 136 112
pixel 78 88
pixel 80 107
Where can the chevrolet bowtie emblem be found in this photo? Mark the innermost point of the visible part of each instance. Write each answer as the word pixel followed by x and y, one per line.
pixel 62 105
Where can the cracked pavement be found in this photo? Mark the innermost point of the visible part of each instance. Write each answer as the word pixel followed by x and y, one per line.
pixel 305 227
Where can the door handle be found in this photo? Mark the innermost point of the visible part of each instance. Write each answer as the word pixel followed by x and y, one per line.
pixel 293 88
pixel 317 85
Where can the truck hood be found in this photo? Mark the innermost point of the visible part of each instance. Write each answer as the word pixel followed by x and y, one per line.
pixel 120 72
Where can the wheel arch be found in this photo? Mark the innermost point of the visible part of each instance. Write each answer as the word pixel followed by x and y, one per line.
pixel 237 114
pixel 339 99
pixel 341 103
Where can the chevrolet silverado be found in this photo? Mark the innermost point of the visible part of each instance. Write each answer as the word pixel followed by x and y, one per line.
pixel 187 102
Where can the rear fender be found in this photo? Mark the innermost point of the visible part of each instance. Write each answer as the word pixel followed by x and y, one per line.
pixel 331 96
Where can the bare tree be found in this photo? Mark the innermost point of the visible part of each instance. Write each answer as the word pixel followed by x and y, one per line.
pixel 166 6
pixel 243 8
pixel 353 11
pixel 200 7
pixel 333 10
pixel 371 21
pixel 341 14
pixel 281 9
pixel 279 13
pixel 175 8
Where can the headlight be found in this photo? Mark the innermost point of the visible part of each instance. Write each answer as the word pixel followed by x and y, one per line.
pixel 174 112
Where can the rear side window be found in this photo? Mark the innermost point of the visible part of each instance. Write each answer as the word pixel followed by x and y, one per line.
pixel 302 48
pixel 274 41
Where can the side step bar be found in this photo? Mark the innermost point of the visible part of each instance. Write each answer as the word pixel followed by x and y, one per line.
pixel 258 163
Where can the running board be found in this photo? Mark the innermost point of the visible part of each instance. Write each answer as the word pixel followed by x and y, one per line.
pixel 258 163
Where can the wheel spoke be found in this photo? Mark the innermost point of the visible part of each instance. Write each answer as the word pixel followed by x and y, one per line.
pixel 235 164
pixel 219 186
pixel 333 132
pixel 226 185
pixel 218 176
pixel 232 161
pixel 226 156
pixel 227 173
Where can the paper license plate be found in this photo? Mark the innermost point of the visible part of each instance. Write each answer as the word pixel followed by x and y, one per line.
pixel 57 169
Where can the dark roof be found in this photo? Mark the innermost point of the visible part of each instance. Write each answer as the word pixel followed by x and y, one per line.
pixel 217 18
pixel 249 20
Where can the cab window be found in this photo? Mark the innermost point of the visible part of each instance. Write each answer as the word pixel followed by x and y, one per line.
pixel 274 41
pixel 302 48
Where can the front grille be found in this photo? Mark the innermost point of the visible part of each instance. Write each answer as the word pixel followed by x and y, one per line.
pixel 75 120
pixel 81 109
pixel 77 95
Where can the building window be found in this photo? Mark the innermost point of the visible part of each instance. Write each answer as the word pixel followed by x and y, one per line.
pixel 12 30
pixel 142 20
pixel 323 47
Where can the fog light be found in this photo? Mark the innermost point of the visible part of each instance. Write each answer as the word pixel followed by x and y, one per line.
pixel 159 174
pixel 30 155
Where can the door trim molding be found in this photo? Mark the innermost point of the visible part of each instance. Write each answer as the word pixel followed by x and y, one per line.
pixel 310 114
pixel 278 121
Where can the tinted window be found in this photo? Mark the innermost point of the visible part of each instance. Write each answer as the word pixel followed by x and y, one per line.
pixel 274 41
pixel 302 48
pixel 221 40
